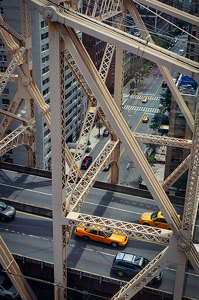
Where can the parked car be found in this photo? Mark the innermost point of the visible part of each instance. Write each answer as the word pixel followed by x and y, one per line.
pixel 107 167
pixel 7 212
pixel 105 132
pixel 164 84
pixel 155 219
pixel 145 99
pixel 130 265
pixel 86 162
pixel 7 289
pixel 145 119
pixel 102 236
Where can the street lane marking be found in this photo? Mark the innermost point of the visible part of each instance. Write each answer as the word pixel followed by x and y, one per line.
pixel 21 188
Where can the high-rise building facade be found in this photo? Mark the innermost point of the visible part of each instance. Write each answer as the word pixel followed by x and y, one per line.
pixel 75 105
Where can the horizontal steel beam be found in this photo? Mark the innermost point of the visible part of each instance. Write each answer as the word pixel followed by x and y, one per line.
pixel 170 10
pixel 163 140
pixel 118 38
pixel 132 230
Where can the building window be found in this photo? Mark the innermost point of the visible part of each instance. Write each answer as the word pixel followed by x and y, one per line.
pixel 5 101
pixel 45 80
pixel 44 35
pixel 45 58
pixel 45 47
pixel 2 47
pixel 1 11
pixel 3 68
pixel 46 91
pixel 44 24
pixel 46 132
pixel 3 58
pixel 45 70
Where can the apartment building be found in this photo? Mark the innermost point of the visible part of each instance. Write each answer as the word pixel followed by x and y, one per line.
pixel 178 126
pixel 75 106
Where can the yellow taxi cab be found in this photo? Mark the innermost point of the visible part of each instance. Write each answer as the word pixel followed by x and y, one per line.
pixel 112 239
pixel 145 119
pixel 155 219
pixel 145 99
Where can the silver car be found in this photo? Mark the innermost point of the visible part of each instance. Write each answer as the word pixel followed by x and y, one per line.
pixel 7 212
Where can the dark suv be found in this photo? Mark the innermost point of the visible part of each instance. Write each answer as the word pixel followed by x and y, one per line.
pixel 130 265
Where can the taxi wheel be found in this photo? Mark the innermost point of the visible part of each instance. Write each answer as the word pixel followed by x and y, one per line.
pixel 115 245
pixel 86 238
pixel 147 224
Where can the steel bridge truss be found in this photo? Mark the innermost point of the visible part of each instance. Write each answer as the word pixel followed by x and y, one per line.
pixel 69 194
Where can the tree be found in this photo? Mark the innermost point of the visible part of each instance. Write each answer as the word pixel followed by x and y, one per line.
pixel 99 125
pixel 159 119
pixel 165 99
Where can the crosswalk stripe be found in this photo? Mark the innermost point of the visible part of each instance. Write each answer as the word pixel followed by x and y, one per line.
pixel 149 97
pixel 140 108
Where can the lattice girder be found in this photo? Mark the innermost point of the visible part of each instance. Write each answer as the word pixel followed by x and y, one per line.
pixel 163 140
pixel 10 69
pixel 84 186
pixel 73 173
pixel 103 9
pixel 192 191
pixel 77 73
pixel 177 173
pixel 132 230
pixel 18 137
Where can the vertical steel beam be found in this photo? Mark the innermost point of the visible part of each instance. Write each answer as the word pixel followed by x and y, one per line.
pixel 179 280
pixel 26 72
pixel 118 89
pixel 57 95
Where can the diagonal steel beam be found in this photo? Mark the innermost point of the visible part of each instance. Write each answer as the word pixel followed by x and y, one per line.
pixel 177 173
pixel 143 277
pixel 163 69
pixel 11 31
pixel 19 136
pixel 9 264
pixel 84 186
pixel 73 173
pixel 10 69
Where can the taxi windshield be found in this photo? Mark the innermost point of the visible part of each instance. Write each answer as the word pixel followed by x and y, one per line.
pixel 154 215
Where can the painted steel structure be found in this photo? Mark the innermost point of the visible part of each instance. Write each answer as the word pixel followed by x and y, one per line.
pixel 69 194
